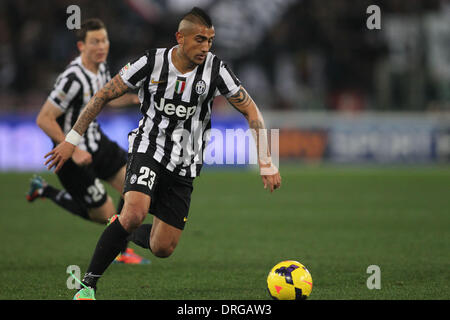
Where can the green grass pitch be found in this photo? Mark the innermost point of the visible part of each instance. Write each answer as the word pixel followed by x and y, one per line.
pixel 335 220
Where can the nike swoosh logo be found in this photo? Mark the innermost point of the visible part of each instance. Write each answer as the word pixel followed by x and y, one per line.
pixel 156 82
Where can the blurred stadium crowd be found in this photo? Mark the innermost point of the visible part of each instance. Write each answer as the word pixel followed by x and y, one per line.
pixel 290 54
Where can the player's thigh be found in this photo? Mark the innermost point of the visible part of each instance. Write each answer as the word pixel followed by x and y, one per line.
pixel 140 184
pixel 117 181
pixel 82 184
pixel 135 209
pixel 172 200
pixel 102 213
pixel 109 163
pixel 163 238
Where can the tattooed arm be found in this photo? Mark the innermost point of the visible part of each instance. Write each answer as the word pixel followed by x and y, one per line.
pixel 125 100
pixel 63 151
pixel 242 102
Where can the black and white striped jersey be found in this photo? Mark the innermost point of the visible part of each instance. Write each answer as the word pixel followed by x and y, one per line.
pixel 176 107
pixel 72 91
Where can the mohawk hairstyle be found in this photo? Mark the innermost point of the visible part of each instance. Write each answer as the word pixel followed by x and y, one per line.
pixel 197 15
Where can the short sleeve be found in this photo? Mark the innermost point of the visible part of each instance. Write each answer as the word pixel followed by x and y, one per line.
pixel 65 91
pixel 227 83
pixel 134 73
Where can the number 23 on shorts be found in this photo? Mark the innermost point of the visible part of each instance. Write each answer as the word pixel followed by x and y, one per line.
pixel 146 177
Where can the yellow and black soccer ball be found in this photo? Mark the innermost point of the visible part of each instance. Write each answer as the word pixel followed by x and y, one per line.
pixel 289 280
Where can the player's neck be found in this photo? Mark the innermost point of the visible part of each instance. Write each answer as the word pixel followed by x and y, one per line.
pixel 181 62
pixel 91 66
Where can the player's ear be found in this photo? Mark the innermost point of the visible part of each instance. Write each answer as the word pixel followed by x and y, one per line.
pixel 80 46
pixel 180 37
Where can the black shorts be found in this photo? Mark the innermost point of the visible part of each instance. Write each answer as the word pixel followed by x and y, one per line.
pixel 83 182
pixel 170 193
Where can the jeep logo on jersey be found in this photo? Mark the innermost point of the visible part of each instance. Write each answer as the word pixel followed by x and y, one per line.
pixel 179 111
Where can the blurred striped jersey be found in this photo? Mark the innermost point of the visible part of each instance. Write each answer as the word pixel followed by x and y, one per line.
pixel 73 89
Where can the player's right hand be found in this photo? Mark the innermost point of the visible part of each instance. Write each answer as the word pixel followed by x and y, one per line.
pixel 59 155
pixel 81 157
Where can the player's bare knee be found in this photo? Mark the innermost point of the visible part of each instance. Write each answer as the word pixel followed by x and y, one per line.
pixel 162 250
pixel 135 208
pixel 133 215
pixel 131 220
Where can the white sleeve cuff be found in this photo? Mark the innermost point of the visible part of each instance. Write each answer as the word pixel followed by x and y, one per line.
pixel 73 137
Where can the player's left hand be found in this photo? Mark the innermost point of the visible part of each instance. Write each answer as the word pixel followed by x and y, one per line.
pixel 272 182
pixel 59 155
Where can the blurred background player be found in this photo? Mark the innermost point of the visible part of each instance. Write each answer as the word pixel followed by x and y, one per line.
pixel 96 157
